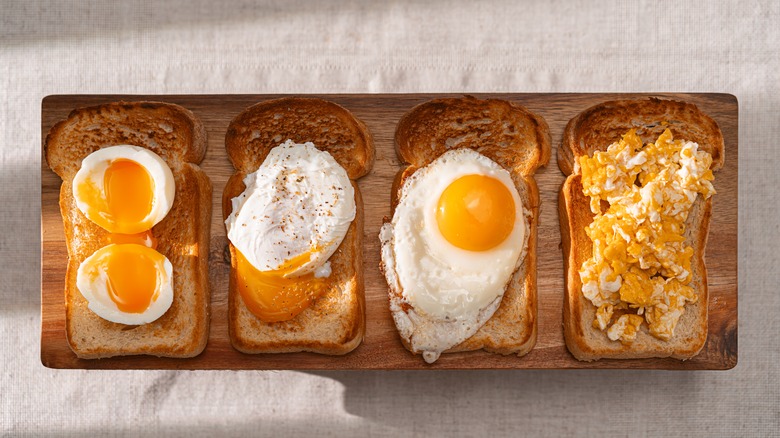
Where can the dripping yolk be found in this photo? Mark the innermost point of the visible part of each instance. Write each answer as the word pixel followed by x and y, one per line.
pixel 273 297
pixel 132 276
pixel 145 238
pixel 125 200
pixel 476 212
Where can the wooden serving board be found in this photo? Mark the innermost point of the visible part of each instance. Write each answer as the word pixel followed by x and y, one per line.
pixel 381 348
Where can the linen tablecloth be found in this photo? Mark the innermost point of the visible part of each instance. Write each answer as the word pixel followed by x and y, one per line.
pixel 297 46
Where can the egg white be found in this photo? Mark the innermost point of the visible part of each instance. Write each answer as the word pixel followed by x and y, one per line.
pixel 92 282
pixel 93 169
pixel 437 277
pixel 452 292
pixel 299 201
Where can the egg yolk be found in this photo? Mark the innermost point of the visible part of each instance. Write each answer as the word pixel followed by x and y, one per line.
pixel 270 295
pixel 125 201
pixel 132 276
pixel 476 212
pixel 129 191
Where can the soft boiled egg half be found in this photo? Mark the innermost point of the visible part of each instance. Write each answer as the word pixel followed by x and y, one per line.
pixel 127 283
pixel 125 190
pixel 457 236
pixel 292 216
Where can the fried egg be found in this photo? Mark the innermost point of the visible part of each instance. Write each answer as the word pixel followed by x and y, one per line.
pixel 292 216
pixel 124 189
pixel 457 236
pixel 127 283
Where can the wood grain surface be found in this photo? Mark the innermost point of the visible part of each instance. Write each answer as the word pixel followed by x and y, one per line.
pixel 381 348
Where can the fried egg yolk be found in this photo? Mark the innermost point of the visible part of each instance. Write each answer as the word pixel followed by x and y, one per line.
pixel 476 212
pixel 275 296
pixel 126 200
pixel 132 276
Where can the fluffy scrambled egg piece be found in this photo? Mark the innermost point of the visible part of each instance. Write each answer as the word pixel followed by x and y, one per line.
pixel 640 263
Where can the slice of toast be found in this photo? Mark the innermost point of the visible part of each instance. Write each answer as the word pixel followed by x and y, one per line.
pixel 335 322
pixel 594 130
pixel 176 135
pixel 517 140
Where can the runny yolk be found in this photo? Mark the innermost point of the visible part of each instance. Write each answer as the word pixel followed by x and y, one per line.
pixel 270 295
pixel 132 277
pixel 476 212
pixel 129 193
pixel 145 238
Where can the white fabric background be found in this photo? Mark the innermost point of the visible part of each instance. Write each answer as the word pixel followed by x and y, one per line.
pixel 389 46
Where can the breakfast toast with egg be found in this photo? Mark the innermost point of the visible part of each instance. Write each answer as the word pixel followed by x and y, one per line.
pixel 178 137
pixel 594 130
pixel 519 142
pixel 333 323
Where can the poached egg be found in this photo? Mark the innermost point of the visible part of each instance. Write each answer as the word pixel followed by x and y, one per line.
pixel 292 216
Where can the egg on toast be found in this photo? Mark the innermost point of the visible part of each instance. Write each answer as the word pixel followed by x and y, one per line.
pixel 136 210
pixel 294 219
pixel 459 253
pixel 634 213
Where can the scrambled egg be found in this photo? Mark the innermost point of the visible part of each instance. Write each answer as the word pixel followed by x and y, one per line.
pixel 640 264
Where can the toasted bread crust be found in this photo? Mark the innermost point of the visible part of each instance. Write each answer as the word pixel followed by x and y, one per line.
pixel 595 129
pixel 263 126
pixel 157 126
pixel 505 131
pixel 177 135
pixel 650 117
pixel 334 323
pixel 519 141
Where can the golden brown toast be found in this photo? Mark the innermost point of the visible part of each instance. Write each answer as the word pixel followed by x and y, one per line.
pixel 594 130
pixel 335 322
pixel 262 127
pixel 517 140
pixel 179 138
